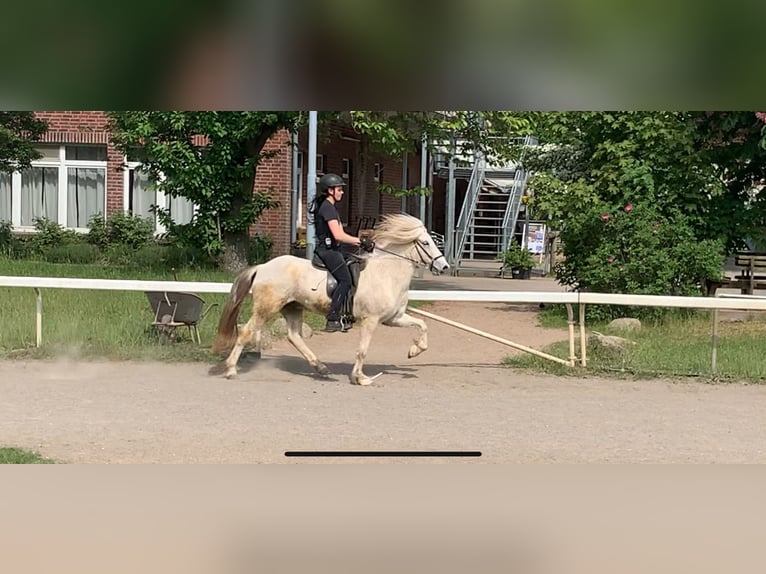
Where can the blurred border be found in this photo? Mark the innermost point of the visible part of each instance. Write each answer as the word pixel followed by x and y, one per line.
pixel 337 54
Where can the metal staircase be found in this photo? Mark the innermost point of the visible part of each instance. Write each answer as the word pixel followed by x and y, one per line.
pixel 488 218
pixel 514 205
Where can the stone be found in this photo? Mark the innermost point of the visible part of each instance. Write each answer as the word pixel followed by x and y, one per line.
pixel 625 324
pixel 610 341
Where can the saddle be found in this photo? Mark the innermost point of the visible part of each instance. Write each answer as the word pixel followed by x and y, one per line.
pixel 354 264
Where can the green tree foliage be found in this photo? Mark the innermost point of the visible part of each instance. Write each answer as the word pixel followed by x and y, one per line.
pixel 692 177
pixel 704 165
pixel 18 131
pixel 636 249
pixel 210 158
pixel 491 133
pixel 488 132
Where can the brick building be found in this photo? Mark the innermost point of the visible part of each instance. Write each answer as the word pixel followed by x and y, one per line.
pixel 81 173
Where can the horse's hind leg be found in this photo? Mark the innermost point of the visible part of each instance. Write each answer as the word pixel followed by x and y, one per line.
pixel 251 330
pixel 421 342
pixel 358 377
pixel 293 314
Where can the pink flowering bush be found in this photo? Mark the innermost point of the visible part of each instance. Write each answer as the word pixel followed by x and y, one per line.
pixel 634 248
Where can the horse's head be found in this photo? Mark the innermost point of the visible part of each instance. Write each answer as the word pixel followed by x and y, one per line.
pixel 409 239
pixel 430 254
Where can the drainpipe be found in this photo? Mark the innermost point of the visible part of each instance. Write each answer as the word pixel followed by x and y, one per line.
pixel 311 184
pixel 404 181
pixel 295 206
pixel 449 223
pixel 430 199
pixel 423 168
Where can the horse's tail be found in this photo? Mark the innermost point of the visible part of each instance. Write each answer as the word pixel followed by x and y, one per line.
pixel 227 325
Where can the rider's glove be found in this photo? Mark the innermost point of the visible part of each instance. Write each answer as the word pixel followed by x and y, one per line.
pixel 367 244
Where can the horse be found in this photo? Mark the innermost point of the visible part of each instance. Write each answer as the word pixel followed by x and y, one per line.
pixel 289 285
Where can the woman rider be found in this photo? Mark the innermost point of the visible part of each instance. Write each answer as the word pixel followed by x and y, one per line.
pixel 330 234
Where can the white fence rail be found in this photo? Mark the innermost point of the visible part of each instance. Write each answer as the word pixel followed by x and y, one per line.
pixel 741 302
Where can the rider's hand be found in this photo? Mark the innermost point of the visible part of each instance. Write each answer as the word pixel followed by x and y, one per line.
pixel 367 244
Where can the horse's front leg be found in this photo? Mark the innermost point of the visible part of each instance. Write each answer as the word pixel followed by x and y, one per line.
pixel 421 341
pixel 368 327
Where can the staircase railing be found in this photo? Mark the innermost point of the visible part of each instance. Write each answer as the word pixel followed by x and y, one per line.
pixel 466 212
pixel 512 209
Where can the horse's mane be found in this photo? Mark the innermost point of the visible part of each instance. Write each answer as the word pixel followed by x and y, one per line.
pixel 398 228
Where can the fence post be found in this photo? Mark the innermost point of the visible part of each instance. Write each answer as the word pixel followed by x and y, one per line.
pixel 38 318
pixel 570 320
pixel 714 357
pixel 583 360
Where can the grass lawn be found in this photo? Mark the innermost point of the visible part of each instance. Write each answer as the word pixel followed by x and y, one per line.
pixel 679 347
pixel 111 324
pixel 11 455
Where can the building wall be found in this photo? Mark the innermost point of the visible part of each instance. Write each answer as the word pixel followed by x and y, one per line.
pixel 335 142
pixel 274 174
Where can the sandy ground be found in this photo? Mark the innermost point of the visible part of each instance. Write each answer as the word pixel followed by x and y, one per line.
pixel 455 396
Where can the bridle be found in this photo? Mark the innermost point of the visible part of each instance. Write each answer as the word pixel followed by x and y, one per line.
pixel 426 260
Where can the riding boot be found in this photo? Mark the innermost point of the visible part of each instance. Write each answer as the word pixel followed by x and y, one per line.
pixel 333 322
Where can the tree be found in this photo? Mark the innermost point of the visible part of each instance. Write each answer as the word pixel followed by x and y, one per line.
pixel 490 133
pixel 210 158
pixel 18 131
pixel 704 165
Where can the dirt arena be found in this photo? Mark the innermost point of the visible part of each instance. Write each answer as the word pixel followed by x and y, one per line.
pixel 455 396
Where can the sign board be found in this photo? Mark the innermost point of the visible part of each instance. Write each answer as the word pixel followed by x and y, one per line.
pixel 534 237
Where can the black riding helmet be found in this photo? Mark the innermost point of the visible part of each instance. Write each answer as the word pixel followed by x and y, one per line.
pixel 329 180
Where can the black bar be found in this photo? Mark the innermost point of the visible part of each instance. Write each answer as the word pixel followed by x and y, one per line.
pixel 381 453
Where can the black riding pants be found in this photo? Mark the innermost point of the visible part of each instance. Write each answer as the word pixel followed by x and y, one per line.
pixel 336 264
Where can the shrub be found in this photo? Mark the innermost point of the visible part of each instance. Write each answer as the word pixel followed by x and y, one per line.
pixel 515 257
pixel 259 249
pixel 72 253
pixel 128 229
pixel 635 249
pixel 6 238
pixel 97 234
pixel 51 234
pixel 118 255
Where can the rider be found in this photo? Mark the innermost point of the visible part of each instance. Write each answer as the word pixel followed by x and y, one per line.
pixel 330 234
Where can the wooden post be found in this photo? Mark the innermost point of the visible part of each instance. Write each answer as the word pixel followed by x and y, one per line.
pixel 714 357
pixel 583 342
pixel 570 320
pixel 489 336
pixel 38 318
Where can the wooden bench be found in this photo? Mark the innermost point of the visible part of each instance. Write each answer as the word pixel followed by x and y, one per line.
pixel 751 276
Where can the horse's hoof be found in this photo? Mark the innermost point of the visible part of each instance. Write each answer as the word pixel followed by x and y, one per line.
pixel 364 380
pixel 322 370
pixel 414 351
pixel 231 374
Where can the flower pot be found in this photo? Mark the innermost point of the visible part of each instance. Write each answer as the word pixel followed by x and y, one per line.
pixel 520 273
pixel 298 252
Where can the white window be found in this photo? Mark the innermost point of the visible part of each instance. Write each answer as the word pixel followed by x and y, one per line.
pixel 66 185
pixel 377 173
pixel 140 195
pixel 346 168
pixel 320 164
pixel 5 196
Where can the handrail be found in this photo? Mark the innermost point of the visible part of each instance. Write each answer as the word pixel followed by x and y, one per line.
pixel 469 204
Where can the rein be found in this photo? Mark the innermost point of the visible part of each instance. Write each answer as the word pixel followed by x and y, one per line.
pixel 421 251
